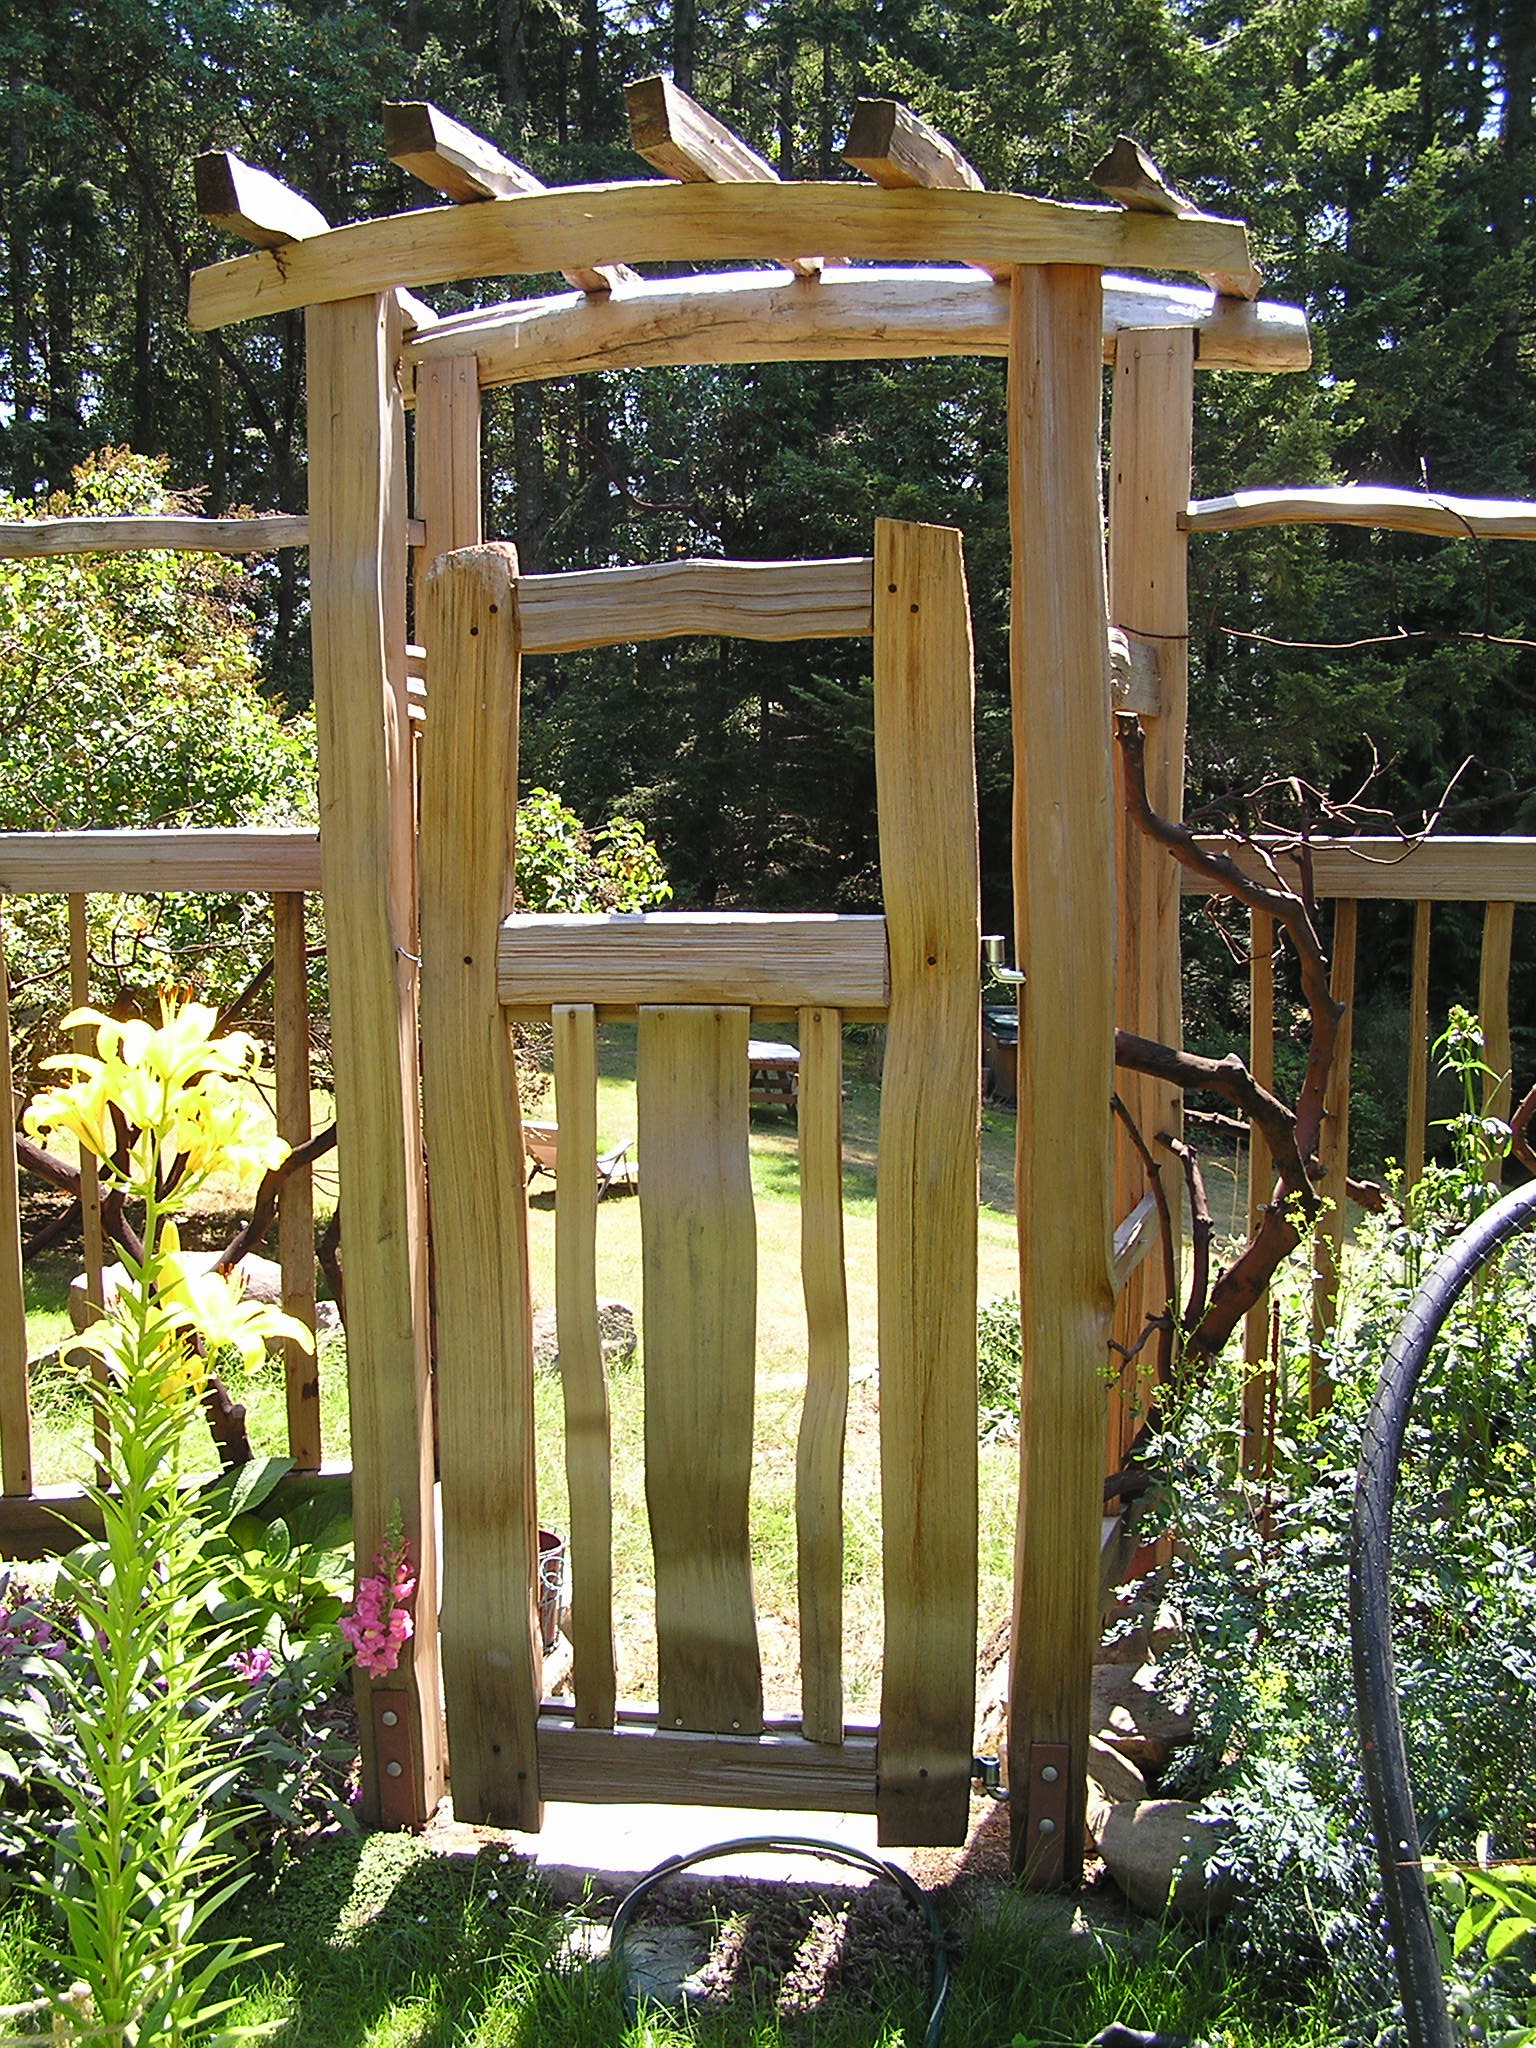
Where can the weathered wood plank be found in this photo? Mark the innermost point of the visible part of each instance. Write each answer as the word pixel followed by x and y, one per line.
pixel 683 140
pixel 24 540
pixel 447 456
pixel 1063 825
pixel 1261 1174
pixel 93 1244
pixel 1415 1132
pixel 15 1397
pixel 250 203
pixel 634 1762
pixel 1459 870
pixel 699 1258
pixel 668 223
pixel 823 1419
pixel 1493 1010
pixel 1432 514
pixel 40 863
pixel 582 1373
pixel 662 600
pixel 768 963
pixel 747 316
pixel 491 1642
pixel 464 167
pixel 1328 1239
pixel 1130 176
pixel 296 1200
pixel 367 802
pixel 1149 471
pixel 927 1178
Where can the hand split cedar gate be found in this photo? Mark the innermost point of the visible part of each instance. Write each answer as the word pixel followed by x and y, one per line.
pixel 1027 280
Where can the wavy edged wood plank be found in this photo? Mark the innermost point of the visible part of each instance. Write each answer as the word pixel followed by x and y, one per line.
pixel 699 1257
pixel 1418 1049
pixel 1261 1173
pixel 491 1644
pixel 927 1180
pixel 296 1198
pixel 664 600
pixel 33 863
pixel 664 223
pixel 1425 512
pixel 15 1396
pixel 582 1374
pixel 1328 1238
pixel 1493 1013
pixel 24 539
pixel 823 1419
pixel 357 501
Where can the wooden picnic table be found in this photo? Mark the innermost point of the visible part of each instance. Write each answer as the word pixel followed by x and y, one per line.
pixel 773 1073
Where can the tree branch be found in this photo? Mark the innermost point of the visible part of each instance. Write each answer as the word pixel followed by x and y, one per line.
pixel 251 1233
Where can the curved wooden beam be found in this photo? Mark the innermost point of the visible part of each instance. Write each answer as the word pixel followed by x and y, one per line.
pixel 746 316
pixel 663 223
pixel 1426 512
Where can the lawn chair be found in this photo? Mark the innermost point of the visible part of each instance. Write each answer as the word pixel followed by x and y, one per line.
pixel 541 1143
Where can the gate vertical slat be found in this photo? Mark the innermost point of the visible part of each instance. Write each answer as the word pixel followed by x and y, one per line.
pixel 585 1383
pixel 15 1400
pixel 296 1199
pixel 1328 1239
pixel 1261 1173
pixel 94 1244
pixel 927 1187
pixel 823 1420
pixel 1418 1048
pixel 698 1238
pixel 1493 1010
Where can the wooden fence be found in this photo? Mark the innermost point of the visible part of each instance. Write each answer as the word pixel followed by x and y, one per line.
pixel 285 866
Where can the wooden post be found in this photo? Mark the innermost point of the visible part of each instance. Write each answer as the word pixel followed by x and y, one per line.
pixel 1493 1010
pixel 15 1401
pixel 90 1184
pixel 1418 1050
pixel 1063 852
pixel 357 580
pixel 1328 1239
pixel 1151 424
pixel 1261 1173
pixel 448 456
pixel 296 1199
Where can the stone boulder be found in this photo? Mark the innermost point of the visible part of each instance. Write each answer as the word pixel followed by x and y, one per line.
pixel 1160 1856
pixel 1113 1780
pixel 615 1331
pixel 1135 1718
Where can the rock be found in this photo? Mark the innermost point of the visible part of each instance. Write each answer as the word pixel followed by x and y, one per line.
pixel 1135 1718
pixel 1113 1780
pixel 1138 1628
pixel 615 1330
pixel 1160 1855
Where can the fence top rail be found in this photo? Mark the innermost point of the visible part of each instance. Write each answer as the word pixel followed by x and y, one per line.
pixel 1424 512
pixel 532 233
pixel 885 314
pixel 273 861
pixel 667 600
pixel 1434 870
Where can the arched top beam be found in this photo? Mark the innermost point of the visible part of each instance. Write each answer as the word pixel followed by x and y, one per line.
pixel 746 316
pixel 535 233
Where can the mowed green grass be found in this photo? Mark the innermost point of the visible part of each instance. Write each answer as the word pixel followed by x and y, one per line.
pixel 63 1429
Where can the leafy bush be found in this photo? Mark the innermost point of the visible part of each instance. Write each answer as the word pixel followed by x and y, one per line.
pixel 999 1366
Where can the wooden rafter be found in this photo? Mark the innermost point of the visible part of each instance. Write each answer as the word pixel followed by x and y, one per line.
pixel 465 168
pixel 894 147
pixel 1131 178
pixel 702 224
pixel 251 204
pixel 684 141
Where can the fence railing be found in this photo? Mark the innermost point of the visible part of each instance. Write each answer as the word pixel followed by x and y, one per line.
pixel 285 866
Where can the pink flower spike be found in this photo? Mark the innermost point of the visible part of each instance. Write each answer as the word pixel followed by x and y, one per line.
pixel 254 1666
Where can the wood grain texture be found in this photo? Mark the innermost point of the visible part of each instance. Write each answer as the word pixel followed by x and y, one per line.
pixel 1414 1131
pixel 683 140
pixel 1328 1239
pixel 1064 825
pixel 582 1373
pixel 1261 1174
pixel 667 223
pixel 367 812
pixel 25 539
pixel 777 1770
pixel 491 1643
pixel 823 1419
pixel 447 456
pixel 699 1258
pixel 663 600
pixel 761 961
pixel 1493 1011
pixel 464 167
pixel 1134 180
pixel 1434 515
pixel 746 316
pixel 927 1180
pixel 1149 471
pixel 15 1397
pixel 296 1199
pixel 145 863
pixel 251 204
pixel 93 1244
pixel 1448 870
pixel 896 148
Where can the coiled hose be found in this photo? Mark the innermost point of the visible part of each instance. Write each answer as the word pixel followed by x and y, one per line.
pixel 1383 1757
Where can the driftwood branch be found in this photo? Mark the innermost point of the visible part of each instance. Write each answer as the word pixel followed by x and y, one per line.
pixel 251 1233
pixel 1519 1132
pixel 1154 1175
pixel 1201 1228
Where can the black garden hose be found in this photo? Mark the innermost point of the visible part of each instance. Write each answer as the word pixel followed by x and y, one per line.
pixel 1384 1760
pixel 834 1852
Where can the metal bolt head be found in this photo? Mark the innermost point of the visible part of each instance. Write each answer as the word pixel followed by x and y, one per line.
pixel 1049 1774
pixel 393 1769
pixel 390 1718
pixel 737 1726
pixel 1047 1826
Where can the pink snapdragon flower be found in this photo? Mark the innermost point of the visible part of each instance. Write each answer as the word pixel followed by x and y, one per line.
pixel 254 1666
pixel 379 1626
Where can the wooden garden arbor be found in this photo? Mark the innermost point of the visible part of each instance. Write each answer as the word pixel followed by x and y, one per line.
pixel 1028 279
